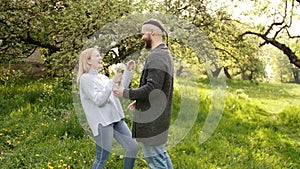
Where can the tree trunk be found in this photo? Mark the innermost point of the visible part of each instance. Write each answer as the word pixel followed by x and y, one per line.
pixel 251 75
pixel 227 73
pixel 216 73
pixel 179 70
pixel 296 75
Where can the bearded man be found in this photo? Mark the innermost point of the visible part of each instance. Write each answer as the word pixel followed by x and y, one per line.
pixel 153 99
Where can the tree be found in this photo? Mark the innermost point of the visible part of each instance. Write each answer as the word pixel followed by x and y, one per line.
pixel 57 28
pixel 222 31
pixel 60 28
pixel 282 21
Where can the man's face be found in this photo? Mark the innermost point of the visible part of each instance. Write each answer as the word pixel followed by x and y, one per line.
pixel 146 37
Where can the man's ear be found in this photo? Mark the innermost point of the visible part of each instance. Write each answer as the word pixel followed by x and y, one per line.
pixel 152 32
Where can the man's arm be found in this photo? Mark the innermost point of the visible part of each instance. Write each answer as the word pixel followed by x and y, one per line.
pixel 154 80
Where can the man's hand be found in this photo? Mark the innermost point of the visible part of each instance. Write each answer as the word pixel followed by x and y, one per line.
pixel 118 92
pixel 132 106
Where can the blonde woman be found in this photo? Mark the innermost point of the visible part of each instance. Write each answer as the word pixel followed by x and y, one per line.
pixel 103 110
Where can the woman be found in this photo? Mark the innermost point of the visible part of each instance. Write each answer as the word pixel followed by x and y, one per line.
pixel 102 109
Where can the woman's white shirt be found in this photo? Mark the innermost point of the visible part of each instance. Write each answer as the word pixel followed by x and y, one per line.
pixel 98 101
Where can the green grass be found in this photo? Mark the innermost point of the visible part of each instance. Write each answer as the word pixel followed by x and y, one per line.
pixel 260 128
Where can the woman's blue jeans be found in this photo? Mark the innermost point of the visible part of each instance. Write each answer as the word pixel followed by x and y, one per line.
pixel 121 132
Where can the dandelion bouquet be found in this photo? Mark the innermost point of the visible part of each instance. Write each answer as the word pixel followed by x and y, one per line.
pixel 118 68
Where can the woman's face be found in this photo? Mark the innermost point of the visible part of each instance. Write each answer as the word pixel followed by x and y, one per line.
pixel 96 60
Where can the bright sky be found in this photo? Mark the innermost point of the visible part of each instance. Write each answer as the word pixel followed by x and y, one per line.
pixel 241 9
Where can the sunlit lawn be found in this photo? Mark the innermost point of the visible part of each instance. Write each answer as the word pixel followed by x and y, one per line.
pixel 260 128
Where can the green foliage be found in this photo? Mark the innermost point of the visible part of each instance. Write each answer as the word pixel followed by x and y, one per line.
pixel 259 128
pixel 57 28
pixel 9 75
pixel 61 28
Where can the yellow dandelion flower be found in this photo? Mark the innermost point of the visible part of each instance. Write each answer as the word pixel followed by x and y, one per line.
pixel 65 165
pixel 1 134
pixel 70 158
pixel 75 152
pixel 37 155
pixel 8 142
pixel 61 161
pixel 49 165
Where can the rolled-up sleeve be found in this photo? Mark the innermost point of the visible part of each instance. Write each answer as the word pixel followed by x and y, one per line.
pixel 126 78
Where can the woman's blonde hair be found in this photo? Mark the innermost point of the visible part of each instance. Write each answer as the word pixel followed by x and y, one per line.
pixel 83 66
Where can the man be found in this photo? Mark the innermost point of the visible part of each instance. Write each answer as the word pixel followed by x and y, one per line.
pixel 153 98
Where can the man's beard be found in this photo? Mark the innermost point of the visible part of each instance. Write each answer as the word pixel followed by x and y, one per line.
pixel 148 44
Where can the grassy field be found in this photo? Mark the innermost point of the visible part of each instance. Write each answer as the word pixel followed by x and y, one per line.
pixel 259 129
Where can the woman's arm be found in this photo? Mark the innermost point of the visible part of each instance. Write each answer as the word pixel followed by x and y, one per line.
pixel 126 79
pixel 94 89
pixel 127 75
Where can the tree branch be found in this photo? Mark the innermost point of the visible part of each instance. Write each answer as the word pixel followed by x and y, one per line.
pixel 285 49
pixel 32 41
pixel 183 8
pixel 277 23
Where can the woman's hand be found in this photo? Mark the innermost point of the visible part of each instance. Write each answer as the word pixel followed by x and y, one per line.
pixel 117 78
pixel 130 65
